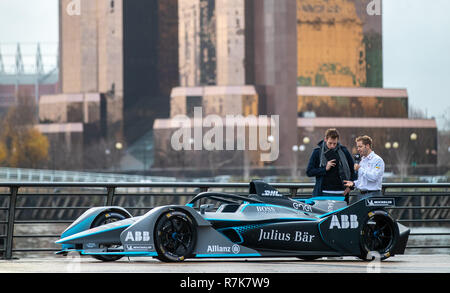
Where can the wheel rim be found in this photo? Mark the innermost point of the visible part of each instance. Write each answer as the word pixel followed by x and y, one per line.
pixel 104 219
pixel 109 220
pixel 175 235
pixel 378 234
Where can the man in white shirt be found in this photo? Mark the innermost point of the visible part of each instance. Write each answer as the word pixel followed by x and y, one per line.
pixel 370 170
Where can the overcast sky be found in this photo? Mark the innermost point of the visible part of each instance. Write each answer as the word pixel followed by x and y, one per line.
pixel 416 44
pixel 416 52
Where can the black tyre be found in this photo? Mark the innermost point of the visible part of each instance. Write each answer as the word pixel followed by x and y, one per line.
pixel 379 234
pixel 103 219
pixel 175 236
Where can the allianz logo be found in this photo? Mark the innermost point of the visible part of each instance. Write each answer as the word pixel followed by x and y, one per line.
pixel 223 249
pixel 344 222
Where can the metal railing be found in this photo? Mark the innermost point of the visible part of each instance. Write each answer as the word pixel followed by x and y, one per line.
pixel 42 175
pixel 54 203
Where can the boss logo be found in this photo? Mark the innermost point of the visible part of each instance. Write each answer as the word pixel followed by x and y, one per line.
pixel 265 209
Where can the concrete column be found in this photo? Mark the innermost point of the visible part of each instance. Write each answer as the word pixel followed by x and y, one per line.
pixel 275 68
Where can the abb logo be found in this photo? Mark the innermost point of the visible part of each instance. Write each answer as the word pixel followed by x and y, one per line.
pixel 138 236
pixel 345 222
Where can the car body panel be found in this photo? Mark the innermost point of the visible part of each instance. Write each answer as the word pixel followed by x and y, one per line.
pixel 264 224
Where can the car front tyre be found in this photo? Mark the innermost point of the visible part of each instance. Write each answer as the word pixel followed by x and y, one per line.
pixel 103 219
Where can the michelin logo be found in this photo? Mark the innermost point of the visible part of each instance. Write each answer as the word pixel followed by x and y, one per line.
pixel 380 202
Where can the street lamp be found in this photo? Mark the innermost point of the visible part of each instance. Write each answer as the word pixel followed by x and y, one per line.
pixel 413 138
pixel 295 150
pixel 107 153
pixel 118 147
pixel 395 145
pixel 387 145
pixel 295 162
pixel 306 140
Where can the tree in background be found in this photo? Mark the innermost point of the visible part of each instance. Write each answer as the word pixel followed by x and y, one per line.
pixel 21 144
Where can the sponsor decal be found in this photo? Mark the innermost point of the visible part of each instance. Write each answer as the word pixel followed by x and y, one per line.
pixel 236 249
pixel 380 202
pixel 271 193
pixel 302 206
pixel 91 245
pixel 137 236
pixel 139 247
pixel 331 205
pixel 223 249
pixel 276 235
pixel 344 222
pixel 265 209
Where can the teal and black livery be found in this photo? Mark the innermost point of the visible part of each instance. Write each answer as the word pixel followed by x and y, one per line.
pixel 264 223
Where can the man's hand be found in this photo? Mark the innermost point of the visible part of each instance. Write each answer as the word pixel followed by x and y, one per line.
pixel 330 164
pixel 349 183
pixel 356 167
pixel 347 191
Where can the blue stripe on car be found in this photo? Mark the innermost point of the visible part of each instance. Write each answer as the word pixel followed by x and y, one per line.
pixel 90 234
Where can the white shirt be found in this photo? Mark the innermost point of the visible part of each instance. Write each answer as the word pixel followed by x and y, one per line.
pixel 370 173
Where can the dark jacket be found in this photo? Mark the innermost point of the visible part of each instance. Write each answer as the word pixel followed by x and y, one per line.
pixel 314 169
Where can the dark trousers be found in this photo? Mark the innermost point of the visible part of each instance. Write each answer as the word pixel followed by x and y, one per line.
pixel 361 196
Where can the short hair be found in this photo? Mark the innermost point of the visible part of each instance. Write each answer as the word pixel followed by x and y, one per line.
pixel 365 139
pixel 332 133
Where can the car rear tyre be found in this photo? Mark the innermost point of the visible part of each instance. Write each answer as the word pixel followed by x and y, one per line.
pixel 379 234
pixel 175 236
pixel 103 219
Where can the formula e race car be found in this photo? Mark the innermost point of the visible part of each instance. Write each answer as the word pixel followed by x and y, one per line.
pixel 264 223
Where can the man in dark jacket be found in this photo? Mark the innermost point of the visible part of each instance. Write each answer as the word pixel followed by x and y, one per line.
pixel 331 163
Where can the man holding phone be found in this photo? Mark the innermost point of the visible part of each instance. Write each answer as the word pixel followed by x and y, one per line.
pixel 331 163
